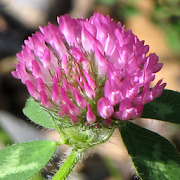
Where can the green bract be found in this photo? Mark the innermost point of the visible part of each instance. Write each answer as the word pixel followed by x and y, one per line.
pixel 82 137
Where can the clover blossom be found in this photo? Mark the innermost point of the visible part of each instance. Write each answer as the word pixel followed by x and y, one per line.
pixel 89 70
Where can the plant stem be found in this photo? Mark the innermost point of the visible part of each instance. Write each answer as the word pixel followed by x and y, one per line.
pixel 68 165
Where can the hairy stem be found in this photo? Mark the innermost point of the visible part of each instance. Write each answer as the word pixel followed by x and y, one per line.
pixel 68 165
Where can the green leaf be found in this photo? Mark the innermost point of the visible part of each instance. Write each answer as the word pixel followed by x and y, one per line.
pixel 36 113
pixel 21 161
pixel 165 108
pixel 153 156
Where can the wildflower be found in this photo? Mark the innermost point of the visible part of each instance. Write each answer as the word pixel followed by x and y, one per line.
pixel 89 70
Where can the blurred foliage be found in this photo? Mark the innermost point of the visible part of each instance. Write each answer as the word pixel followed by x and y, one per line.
pixel 107 2
pixel 125 9
pixel 5 138
pixel 164 13
pixel 120 9
pixel 167 15
pixel 113 170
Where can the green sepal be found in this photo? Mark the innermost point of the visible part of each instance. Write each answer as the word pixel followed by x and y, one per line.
pixel 84 137
pixel 164 108
pixel 154 157
pixel 21 161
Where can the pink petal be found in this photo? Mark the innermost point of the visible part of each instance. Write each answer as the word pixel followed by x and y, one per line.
pixel 90 80
pixel 105 107
pixel 65 109
pixel 44 100
pixel 55 91
pixel 101 63
pixel 74 119
pixel 65 64
pixel 32 90
pixel 89 91
pixel 81 102
pixel 90 116
pixel 112 92
pixel 127 111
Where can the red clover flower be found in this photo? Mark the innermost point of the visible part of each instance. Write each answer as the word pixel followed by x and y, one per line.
pixel 89 71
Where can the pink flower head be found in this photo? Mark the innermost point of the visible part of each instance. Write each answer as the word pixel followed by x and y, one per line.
pixel 86 68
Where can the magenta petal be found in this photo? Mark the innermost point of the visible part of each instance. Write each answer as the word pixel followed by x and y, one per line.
pixel 65 64
pixel 44 100
pixel 58 44
pixel 65 84
pixel 59 73
pixel 64 109
pixel 89 91
pixel 158 89
pixel 89 79
pixel 125 104
pixel 139 110
pixel 55 93
pixel 112 92
pixel 47 61
pixel 79 56
pixel 127 111
pixel 32 90
pixel 105 107
pixel 63 95
pixel 60 114
pixel 28 57
pixel 72 108
pixel 74 119
pixel 101 62
pixel 69 28
pixel 147 95
pixel 113 73
pixel 40 85
pixel 21 71
pixel 152 65
pixel 15 74
pixel 90 116
pixel 36 70
pixel 86 39
pixel 81 102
